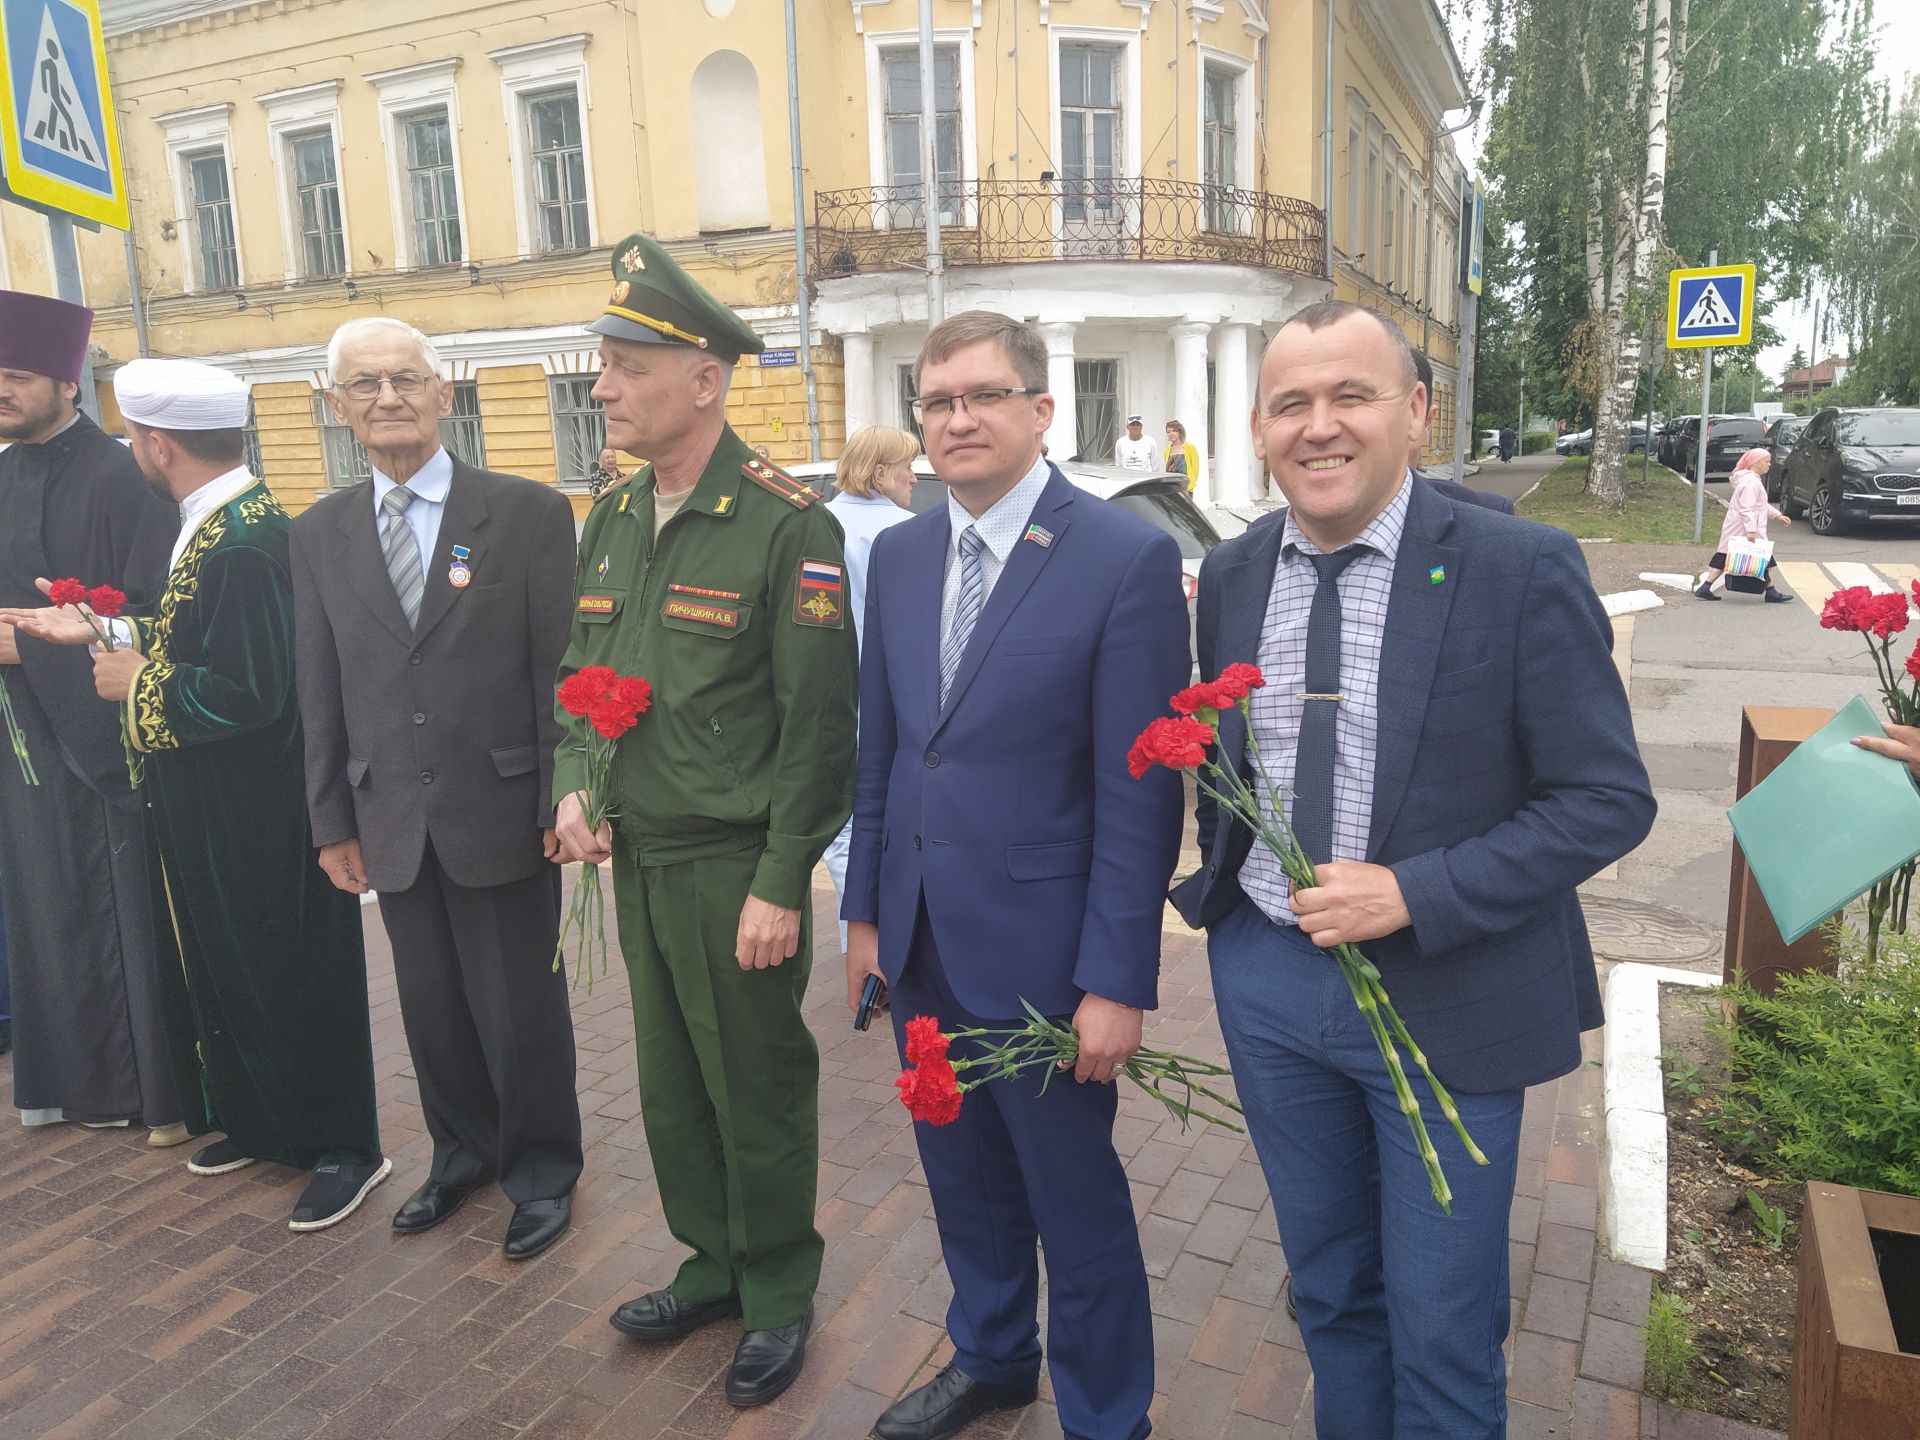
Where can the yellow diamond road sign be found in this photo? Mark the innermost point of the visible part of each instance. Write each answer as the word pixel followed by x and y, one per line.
pixel 1711 305
pixel 59 144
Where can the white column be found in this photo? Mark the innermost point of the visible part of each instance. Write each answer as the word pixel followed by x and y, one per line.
pixel 1063 436
pixel 1234 476
pixel 862 404
pixel 1190 397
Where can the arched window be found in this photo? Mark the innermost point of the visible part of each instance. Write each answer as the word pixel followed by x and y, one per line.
pixel 730 160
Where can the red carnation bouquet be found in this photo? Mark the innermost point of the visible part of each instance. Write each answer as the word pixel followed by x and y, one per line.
pixel 611 705
pixel 932 1089
pixel 1879 616
pixel 1180 742
pixel 92 603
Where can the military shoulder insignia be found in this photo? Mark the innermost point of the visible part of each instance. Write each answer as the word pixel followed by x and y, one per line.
pixel 819 597
pixel 785 486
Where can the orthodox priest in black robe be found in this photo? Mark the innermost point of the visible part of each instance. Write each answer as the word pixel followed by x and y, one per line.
pixel 80 934
pixel 263 978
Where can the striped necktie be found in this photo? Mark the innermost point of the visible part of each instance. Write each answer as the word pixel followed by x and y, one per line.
pixel 966 610
pixel 402 551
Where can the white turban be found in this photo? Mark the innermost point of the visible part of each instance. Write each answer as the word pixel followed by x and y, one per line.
pixel 180 395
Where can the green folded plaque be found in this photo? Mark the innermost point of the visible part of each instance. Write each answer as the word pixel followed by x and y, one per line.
pixel 1829 823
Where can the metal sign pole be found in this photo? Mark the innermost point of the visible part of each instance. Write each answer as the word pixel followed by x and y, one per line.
pixel 66 285
pixel 1706 404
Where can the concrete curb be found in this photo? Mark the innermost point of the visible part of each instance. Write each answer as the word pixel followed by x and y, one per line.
pixel 1633 1183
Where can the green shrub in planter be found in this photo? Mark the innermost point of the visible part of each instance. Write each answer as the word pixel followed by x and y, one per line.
pixel 1825 1080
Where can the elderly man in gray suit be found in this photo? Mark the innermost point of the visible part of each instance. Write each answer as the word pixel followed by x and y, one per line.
pixel 432 607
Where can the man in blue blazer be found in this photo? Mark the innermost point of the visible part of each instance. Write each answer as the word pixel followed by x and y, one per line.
pixel 1016 641
pixel 1473 761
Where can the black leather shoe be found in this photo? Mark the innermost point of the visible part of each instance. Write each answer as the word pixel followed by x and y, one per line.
pixel 429 1205
pixel 1286 1294
pixel 536 1224
pixel 657 1315
pixel 1775 597
pixel 766 1362
pixel 947 1404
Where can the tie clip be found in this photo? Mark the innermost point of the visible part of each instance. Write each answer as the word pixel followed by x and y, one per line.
pixel 1334 698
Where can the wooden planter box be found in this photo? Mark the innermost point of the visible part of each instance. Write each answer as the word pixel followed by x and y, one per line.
pixel 1856 1347
pixel 1768 734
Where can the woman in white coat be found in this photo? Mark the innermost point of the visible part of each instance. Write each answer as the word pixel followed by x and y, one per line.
pixel 874 483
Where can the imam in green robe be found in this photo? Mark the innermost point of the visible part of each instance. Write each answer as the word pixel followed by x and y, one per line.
pixel 263 978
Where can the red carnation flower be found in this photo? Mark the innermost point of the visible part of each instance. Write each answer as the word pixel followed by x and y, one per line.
pixel 931 1091
pixel 1884 615
pixel 1208 695
pixel 1178 742
pixel 634 693
pixel 1247 677
pixel 106 601
pixel 67 592
pixel 1913 661
pixel 611 717
pixel 924 1040
pixel 586 685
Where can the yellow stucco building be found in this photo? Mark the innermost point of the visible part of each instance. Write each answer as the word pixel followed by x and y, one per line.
pixel 1144 177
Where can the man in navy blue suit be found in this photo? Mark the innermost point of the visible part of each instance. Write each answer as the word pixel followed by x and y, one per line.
pixel 1442 705
pixel 1016 640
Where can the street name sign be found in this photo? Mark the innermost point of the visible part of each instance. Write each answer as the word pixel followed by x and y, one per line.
pixel 59 143
pixel 1710 305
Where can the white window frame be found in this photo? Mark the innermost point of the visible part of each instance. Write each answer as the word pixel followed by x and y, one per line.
pixel 1371 249
pixel 405 93
pixel 878 175
pixel 190 134
pixel 1128 43
pixel 529 72
pixel 292 114
pixel 1356 174
pixel 1243 123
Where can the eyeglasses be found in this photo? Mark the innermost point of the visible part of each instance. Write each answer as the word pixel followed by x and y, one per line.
pixel 974 402
pixel 406 384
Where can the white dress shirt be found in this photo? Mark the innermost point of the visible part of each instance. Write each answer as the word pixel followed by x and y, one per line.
pixel 430 485
pixel 1000 528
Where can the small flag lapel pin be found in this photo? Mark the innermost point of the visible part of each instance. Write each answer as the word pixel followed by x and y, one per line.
pixel 1040 536
pixel 1437 575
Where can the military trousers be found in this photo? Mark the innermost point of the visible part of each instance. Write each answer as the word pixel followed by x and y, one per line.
pixel 729 1084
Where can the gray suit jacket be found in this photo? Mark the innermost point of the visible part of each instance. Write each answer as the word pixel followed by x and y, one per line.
pixel 447 731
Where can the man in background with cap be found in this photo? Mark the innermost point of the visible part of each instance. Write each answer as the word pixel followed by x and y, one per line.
pixel 431 604
pixel 88 1044
pixel 721 581
pixel 1134 451
pixel 265 991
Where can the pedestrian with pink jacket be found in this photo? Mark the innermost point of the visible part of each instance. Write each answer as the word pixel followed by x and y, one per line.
pixel 1748 511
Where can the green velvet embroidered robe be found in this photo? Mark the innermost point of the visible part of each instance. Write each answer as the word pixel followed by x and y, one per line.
pixel 263 978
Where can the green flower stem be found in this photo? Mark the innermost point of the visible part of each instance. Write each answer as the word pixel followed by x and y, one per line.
pixel 1008 1053
pixel 16 736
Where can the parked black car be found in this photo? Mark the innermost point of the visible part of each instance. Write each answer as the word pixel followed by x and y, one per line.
pixel 1781 434
pixel 1855 466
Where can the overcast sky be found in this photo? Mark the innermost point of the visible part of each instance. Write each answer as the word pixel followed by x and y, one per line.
pixel 1898 23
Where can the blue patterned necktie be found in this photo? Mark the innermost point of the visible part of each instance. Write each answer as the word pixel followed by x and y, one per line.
pixel 1312 809
pixel 403 552
pixel 966 613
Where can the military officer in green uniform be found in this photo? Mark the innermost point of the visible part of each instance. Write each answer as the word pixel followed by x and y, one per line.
pixel 719 580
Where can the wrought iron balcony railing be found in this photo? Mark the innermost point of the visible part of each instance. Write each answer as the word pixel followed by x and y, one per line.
pixel 1009 222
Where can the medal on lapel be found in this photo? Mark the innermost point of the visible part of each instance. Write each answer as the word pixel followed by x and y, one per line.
pixel 460 574
pixel 1039 535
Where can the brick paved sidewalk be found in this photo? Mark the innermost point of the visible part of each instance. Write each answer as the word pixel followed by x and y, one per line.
pixel 140 1301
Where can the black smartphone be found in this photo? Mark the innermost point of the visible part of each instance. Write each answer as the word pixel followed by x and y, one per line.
pixel 872 995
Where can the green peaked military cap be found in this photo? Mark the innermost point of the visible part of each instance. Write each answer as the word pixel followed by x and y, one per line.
pixel 655 302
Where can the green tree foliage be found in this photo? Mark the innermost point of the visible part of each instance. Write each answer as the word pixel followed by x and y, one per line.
pixel 1878 271
pixel 1768 100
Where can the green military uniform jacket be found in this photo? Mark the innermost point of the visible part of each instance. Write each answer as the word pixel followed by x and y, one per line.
pixel 737 616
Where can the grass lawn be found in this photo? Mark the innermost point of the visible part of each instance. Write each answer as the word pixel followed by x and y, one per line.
pixel 1658 512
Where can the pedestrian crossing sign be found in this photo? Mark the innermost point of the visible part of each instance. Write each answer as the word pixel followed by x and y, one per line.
pixel 59 143
pixel 1712 305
